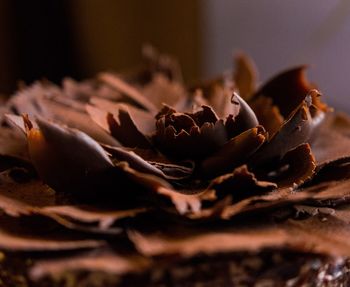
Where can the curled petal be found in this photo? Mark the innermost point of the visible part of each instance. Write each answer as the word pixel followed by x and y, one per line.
pixel 184 203
pixel 160 190
pixel 241 183
pixel 268 114
pixel 162 90
pixel 221 102
pixel 296 167
pixel 335 132
pixel 189 135
pixel 121 126
pixel 172 170
pixel 142 119
pixel 13 143
pixel 15 236
pixel 49 101
pixel 135 161
pixel 128 90
pixel 126 131
pixel 95 261
pixel 234 152
pixel 205 115
pixel 246 118
pixel 288 89
pixel 245 76
pixel 64 157
pixel 294 131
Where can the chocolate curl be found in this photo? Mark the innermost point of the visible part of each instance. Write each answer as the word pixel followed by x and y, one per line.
pixel 235 152
pixel 294 131
pixel 288 89
pixel 120 125
pixel 190 135
pixel 239 184
pixel 128 90
pixel 245 76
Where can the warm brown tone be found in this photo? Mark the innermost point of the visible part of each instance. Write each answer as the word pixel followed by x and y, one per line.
pixel 130 177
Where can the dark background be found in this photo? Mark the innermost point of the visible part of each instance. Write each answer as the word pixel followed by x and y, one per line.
pixel 79 38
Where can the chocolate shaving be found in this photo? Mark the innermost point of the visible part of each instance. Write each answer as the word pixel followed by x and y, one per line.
pixel 162 90
pixel 142 119
pixel 234 152
pixel 13 144
pixel 121 126
pixel 48 101
pixel 295 131
pixel 240 184
pixel 103 261
pixel 333 133
pixel 194 176
pixel 268 114
pixel 181 135
pixel 296 167
pixel 246 118
pixel 128 90
pixel 245 76
pixel 162 168
pixel 287 90
pixel 65 158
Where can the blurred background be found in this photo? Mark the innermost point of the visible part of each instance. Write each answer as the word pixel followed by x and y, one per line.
pixel 79 38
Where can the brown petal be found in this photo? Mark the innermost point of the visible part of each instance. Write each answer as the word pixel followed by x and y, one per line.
pixel 295 131
pixel 149 161
pixel 135 161
pixel 87 218
pixel 48 101
pixel 64 157
pixel 190 244
pixel 323 194
pixel 91 214
pixel 162 90
pixel 23 237
pixel 84 90
pixel 295 168
pixel 287 90
pixel 333 139
pixel 102 261
pixel 245 76
pixel 233 153
pixel 184 203
pixel 126 131
pixel 77 119
pixel 22 198
pixel 220 101
pixel 36 199
pixel 142 119
pixel 324 234
pixel 268 114
pixel 246 118
pixel 241 183
pixel 334 170
pixel 180 137
pixel 128 90
pixel 158 190
pixel 121 126
pixel 13 143
pixel 204 115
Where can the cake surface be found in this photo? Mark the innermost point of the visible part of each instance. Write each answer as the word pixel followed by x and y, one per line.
pixel 135 179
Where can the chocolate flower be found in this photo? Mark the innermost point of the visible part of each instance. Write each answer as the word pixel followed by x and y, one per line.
pixel 138 166
pixel 189 149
